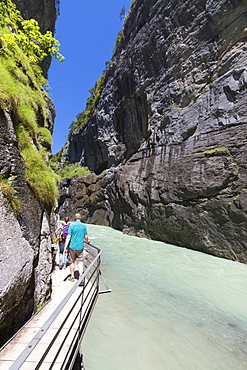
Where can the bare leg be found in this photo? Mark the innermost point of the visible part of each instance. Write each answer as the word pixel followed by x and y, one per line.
pixel 76 273
pixel 80 264
pixel 76 266
pixel 72 269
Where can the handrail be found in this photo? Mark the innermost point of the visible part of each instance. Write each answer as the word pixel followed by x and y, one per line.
pixel 92 273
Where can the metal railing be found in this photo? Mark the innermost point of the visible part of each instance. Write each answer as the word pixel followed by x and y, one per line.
pixel 68 336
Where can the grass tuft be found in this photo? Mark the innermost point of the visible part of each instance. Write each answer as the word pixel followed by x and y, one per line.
pixel 9 191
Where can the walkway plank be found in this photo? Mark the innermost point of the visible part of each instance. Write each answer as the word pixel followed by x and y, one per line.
pixel 14 348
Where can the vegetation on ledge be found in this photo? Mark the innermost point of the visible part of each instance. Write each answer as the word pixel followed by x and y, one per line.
pixel 22 94
pixel 91 104
pixel 121 32
pixel 67 169
pixel 9 191
pixel 217 150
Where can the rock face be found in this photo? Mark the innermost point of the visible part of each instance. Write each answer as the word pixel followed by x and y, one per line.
pixel 25 243
pixel 83 194
pixel 172 120
pixel 25 267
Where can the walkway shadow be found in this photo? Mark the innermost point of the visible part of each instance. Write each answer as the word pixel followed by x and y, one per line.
pixel 76 273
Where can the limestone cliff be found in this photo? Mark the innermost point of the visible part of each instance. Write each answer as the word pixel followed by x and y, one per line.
pixel 171 125
pixel 26 123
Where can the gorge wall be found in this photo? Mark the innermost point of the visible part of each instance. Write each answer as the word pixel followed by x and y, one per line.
pixel 25 244
pixel 170 129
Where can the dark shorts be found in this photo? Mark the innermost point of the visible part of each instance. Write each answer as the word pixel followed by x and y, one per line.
pixel 75 255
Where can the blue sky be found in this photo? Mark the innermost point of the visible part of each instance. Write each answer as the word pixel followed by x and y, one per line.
pixel 87 30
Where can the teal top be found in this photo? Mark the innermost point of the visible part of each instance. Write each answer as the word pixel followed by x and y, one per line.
pixel 77 230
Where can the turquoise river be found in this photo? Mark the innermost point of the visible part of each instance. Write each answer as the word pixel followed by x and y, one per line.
pixel 170 308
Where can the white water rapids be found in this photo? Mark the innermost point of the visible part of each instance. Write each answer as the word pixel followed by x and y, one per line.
pixel 170 308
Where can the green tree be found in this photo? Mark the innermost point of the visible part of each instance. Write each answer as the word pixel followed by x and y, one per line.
pixel 25 34
pixel 122 13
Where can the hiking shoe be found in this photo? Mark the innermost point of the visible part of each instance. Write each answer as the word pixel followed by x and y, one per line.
pixel 82 283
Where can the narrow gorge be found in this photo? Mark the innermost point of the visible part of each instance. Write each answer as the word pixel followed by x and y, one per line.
pixel 167 140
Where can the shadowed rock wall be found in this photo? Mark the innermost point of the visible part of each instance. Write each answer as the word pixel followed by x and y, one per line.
pixel 83 194
pixel 172 120
pixel 25 243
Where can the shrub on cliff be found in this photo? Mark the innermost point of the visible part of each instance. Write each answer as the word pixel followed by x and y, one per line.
pixel 91 104
pixel 121 32
pixel 9 191
pixel 22 94
pixel 72 169
pixel 65 169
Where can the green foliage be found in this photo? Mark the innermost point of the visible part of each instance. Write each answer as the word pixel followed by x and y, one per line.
pixel 91 104
pixel 56 158
pixel 22 47
pixel 40 306
pixel 236 197
pixel 26 102
pixel 57 5
pixel 9 191
pixel 83 117
pixel 9 16
pixel 122 13
pixel 26 35
pixel 72 169
pixel 55 162
pixel 120 33
pixel 118 39
pixel 131 7
pixel 132 3
pixel 216 150
pixel 44 135
pixel 38 173
pixel 66 169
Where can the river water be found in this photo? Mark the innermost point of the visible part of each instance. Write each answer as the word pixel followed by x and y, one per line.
pixel 170 308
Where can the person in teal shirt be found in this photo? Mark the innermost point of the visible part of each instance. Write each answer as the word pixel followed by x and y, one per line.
pixel 77 234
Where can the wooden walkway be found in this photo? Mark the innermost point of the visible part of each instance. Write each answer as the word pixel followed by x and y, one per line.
pixel 11 352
